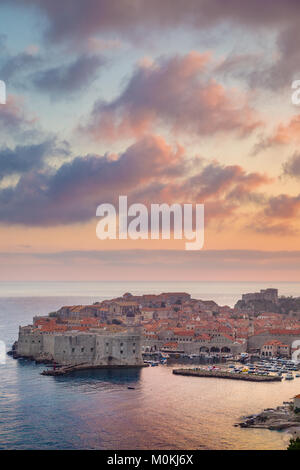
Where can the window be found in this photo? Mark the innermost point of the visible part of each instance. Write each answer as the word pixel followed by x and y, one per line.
pixel 133 351
pixel 92 349
pixel 82 349
pixel 73 350
pixel 121 352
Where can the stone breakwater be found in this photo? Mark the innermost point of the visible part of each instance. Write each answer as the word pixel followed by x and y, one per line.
pixel 278 419
pixel 226 375
pixel 64 370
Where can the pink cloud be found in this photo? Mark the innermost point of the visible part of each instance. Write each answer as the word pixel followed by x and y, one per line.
pixel 173 92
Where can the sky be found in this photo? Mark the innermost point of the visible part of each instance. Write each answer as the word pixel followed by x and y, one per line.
pixel 165 102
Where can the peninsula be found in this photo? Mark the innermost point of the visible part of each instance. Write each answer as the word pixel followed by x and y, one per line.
pixel 117 332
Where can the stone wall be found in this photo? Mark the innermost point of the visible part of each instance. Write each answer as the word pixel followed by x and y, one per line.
pixel 193 347
pixel 73 348
pixel 257 341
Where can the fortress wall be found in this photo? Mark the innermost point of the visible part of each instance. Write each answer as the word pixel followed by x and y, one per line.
pixel 29 344
pixel 91 348
pixel 118 349
pixel 74 349
pixel 48 344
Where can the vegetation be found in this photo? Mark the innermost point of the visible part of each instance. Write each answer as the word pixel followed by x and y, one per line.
pixel 294 444
pixel 284 306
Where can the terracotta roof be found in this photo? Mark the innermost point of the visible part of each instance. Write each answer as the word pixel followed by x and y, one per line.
pixel 171 344
pixel 179 332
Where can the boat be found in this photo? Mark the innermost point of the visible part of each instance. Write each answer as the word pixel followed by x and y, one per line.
pixel 153 364
pixel 289 377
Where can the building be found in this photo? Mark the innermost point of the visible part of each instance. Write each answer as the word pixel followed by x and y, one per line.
pixel 297 402
pixel 91 347
pixel 275 348
pixel 270 295
pixel 123 308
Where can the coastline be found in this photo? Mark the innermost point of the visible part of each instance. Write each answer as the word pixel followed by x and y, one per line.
pixel 281 418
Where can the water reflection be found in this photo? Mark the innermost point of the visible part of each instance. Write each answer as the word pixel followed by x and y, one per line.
pixel 95 409
pixel 101 378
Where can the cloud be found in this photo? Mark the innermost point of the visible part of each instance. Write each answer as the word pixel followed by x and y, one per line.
pixel 72 20
pixel 174 92
pixel 278 215
pixel 13 118
pixel 65 79
pixel 283 206
pixel 24 158
pixel 292 166
pixel 266 228
pixel 139 20
pixel 14 65
pixel 284 134
pixel 216 179
pixel 149 170
pixel 154 265
pixel 281 73
pixel 72 193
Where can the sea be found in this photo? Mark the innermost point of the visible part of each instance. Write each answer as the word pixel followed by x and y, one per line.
pixel 96 409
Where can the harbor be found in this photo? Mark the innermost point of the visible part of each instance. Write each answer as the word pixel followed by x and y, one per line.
pixel 222 374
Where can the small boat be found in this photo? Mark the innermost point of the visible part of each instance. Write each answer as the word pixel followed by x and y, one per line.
pixel 289 377
pixel 153 364
pixel 131 388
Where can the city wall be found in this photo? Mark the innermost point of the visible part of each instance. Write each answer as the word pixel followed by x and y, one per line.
pixel 78 348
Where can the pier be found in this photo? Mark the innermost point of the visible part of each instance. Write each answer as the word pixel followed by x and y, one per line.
pixel 226 375
pixel 64 370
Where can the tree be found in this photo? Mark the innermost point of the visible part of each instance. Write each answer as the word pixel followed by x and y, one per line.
pixel 294 444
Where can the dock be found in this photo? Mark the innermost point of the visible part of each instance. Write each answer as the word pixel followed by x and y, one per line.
pixel 226 375
pixel 64 370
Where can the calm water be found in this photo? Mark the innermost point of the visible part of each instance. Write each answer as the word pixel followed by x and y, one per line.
pixel 95 410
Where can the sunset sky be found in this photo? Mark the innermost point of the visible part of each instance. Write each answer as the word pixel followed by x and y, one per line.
pixel 162 101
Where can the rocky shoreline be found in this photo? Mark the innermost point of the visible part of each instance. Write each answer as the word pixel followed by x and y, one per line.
pixel 275 419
